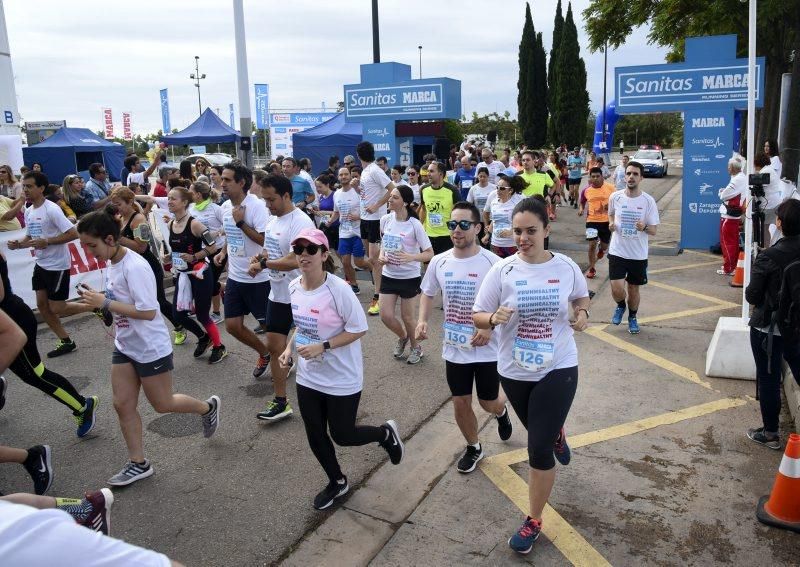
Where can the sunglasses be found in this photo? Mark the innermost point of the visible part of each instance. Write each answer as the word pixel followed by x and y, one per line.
pixel 410 173
pixel 312 249
pixel 463 224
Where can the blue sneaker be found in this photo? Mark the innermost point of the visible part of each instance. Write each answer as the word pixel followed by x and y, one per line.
pixel 616 319
pixel 633 326
pixel 527 534
pixel 561 449
pixel 87 418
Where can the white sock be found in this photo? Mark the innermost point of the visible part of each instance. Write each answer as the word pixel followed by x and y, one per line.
pixel 476 445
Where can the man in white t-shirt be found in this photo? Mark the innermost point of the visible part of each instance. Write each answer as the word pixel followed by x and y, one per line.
pixel 278 261
pixel 632 219
pixel 48 232
pixel 375 189
pixel 138 174
pixel 619 174
pixel 347 210
pixel 244 219
pixel 491 164
pixel 470 354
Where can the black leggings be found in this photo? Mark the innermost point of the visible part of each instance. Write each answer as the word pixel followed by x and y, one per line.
pixel 322 411
pixel 542 407
pixel 201 295
pixel 28 364
pixel 769 382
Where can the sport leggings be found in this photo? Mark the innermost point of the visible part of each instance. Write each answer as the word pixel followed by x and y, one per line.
pixel 201 295
pixel 28 364
pixel 322 411
pixel 542 407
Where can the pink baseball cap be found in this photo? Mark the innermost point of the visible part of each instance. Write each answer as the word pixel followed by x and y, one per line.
pixel 313 235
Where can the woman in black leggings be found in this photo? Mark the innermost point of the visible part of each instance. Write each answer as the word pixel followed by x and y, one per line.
pixel 329 324
pixel 536 299
pixel 29 366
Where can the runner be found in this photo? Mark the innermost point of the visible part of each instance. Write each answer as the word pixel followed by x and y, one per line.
pixel 142 357
pixel 492 165
pixel 330 323
pixel 375 187
pixel 48 232
pixel 244 222
pixel 594 202
pixel 470 354
pixel 575 168
pixel 324 210
pixel 479 193
pixel 537 299
pixel 346 211
pixel 192 244
pixel 436 202
pixel 37 462
pixel 497 214
pixel 404 247
pixel 278 260
pixel 28 364
pixel 205 209
pixel 465 178
pixel 539 182
pixel 619 173
pixel 632 219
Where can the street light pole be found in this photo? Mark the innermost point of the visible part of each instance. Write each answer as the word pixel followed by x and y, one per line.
pixel 420 60
pixel 197 76
pixel 751 148
pixel 605 82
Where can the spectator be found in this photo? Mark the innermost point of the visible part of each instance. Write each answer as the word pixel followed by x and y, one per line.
pixel 771 149
pixel 165 174
pixel 137 173
pixel 73 191
pixel 201 167
pixel 36 166
pixel 773 194
pixel 9 209
pixel 349 161
pixel 9 186
pixel 54 194
pixel 186 171
pixel 97 188
pixel 732 197
pixel 333 167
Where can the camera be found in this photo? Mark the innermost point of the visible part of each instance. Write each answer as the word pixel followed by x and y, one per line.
pixel 757 182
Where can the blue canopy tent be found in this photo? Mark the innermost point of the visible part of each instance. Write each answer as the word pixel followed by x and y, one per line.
pixel 73 150
pixel 207 129
pixel 334 137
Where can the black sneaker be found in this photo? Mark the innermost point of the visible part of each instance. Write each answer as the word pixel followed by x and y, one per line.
pixel 261 366
pixel 504 427
pixel 39 466
pixel 330 493
pixel 3 388
pixel 202 346
pixel 217 354
pixel 275 411
pixel 561 449
pixel 469 460
pixel 63 346
pixel 759 435
pixel 105 316
pixel 394 444
pixel 130 473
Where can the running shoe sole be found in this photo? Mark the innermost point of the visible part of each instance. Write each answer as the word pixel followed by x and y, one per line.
pixel 776 446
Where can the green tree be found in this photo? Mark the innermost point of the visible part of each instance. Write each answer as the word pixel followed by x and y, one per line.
pixel 453 131
pixel 552 87
pixel 571 100
pixel 538 88
pixel 665 129
pixel 525 100
pixel 507 129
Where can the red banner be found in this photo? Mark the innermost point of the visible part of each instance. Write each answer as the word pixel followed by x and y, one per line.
pixel 108 123
pixel 126 126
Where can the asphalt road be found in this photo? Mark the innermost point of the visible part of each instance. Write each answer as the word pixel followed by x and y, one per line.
pixel 243 497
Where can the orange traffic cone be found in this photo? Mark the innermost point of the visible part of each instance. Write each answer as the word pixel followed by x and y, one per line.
pixel 738 275
pixel 782 508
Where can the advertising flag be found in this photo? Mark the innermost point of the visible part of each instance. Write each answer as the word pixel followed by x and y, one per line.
pixel 165 125
pixel 108 124
pixel 262 106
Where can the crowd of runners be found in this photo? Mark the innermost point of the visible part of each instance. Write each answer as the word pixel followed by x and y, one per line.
pixel 268 243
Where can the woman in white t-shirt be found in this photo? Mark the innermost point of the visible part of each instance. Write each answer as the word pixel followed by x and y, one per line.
pixel 771 149
pixel 404 246
pixel 479 193
pixel 500 207
pixel 536 299
pixel 142 357
pixel 329 323
pixel 412 172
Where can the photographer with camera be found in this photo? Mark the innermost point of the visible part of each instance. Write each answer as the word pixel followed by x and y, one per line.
pixel 767 195
pixel 733 197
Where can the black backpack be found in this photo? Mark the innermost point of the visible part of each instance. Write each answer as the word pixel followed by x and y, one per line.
pixel 787 314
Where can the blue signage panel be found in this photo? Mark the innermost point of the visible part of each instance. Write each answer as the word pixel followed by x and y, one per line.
pixel 381 134
pixel 165 125
pixel 230 115
pixel 9 116
pixel 262 106
pixel 707 143
pixel 405 151
pixel 299 119
pixel 409 100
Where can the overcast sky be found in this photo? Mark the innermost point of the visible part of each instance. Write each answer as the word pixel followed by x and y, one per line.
pixel 71 59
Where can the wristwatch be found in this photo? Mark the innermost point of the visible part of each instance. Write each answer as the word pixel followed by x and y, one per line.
pixel 240 223
pixel 586 311
pixel 263 263
pixel 326 345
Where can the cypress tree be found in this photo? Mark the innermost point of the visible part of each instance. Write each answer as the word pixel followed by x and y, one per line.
pixel 571 103
pixel 539 112
pixel 524 95
pixel 558 29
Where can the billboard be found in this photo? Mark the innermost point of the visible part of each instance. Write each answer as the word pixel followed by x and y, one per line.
pixel 283 125
pixel 39 131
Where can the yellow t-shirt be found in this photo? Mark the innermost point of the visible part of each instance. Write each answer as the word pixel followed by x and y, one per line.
pixel 5 206
pixel 438 206
pixel 537 182
pixel 597 202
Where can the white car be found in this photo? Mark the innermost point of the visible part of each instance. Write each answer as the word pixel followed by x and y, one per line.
pixel 654 161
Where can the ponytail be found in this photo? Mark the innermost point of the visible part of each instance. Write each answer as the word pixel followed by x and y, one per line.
pixel 408 198
pixel 100 223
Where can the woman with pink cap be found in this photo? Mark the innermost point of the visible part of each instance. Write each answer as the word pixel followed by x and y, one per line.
pixel 329 323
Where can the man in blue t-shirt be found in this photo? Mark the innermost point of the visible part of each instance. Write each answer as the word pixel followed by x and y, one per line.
pixel 302 192
pixel 575 167
pixel 465 178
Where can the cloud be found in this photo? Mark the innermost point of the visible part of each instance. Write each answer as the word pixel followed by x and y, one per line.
pixel 71 59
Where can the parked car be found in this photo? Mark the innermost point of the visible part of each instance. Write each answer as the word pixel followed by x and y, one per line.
pixel 654 161
pixel 213 159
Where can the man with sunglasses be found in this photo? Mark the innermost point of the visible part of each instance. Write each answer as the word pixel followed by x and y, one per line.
pixel 280 262
pixel 470 354
pixel 97 188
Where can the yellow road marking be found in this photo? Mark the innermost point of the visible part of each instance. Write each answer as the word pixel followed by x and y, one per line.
pixel 686 313
pixel 694 294
pixel 648 356
pixel 683 267
pixel 567 540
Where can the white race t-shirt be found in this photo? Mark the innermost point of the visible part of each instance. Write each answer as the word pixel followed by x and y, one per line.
pixel 373 187
pixel 240 247
pixel 537 338
pixel 48 221
pixel 459 280
pixel 626 241
pixel 500 214
pixel 408 236
pixel 277 243
pixel 494 168
pixel 212 218
pixel 479 195
pixel 51 538
pixel 347 202
pixel 131 281
pixel 320 315
pixel 135 178
pixel 415 190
